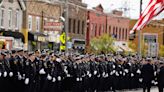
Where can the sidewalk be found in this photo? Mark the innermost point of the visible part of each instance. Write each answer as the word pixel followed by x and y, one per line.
pixel 140 90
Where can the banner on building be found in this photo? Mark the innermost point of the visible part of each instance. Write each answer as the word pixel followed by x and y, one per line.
pixel 53 26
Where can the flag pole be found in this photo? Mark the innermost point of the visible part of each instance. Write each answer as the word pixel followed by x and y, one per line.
pixel 139 35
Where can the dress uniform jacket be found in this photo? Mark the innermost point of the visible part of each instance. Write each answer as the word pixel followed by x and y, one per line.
pixel 160 78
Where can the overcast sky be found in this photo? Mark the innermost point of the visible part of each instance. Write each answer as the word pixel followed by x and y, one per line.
pixel 133 6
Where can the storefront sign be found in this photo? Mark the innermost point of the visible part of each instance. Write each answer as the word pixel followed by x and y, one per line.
pixel 54 38
pixel 53 26
pixel 41 38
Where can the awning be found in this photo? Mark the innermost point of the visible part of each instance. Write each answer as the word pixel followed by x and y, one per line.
pixel 36 37
pixel 16 35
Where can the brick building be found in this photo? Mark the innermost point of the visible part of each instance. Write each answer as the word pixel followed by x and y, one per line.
pixel 11 36
pixel 77 23
pixel 152 35
pixel 118 26
pixel 37 14
pixel 97 21
pixel 113 24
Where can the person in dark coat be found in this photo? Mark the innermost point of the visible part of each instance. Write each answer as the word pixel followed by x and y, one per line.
pixel 160 77
pixel 147 74
pixel 31 74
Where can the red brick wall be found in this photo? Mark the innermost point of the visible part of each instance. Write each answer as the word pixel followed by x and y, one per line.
pixel 118 26
pixel 96 24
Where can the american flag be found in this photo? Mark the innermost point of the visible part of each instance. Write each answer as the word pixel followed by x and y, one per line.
pixel 154 8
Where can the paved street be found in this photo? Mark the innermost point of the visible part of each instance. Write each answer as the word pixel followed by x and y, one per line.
pixel 140 90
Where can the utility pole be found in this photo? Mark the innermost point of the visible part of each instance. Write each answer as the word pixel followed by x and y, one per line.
pixel 139 35
pixel 66 23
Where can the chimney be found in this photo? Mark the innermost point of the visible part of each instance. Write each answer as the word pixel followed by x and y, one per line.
pixel 116 12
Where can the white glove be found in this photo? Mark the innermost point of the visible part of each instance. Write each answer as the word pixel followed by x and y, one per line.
pixel 5 74
pixel 132 75
pixel 54 79
pixel 42 71
pixel 114 66
pixel 152 81
pixel 126 70
pixel 19 77
pixel 49 77
pixel 95 72
pixel 140 80
pixel 90 75
pixel 155 73
pixel 156 83
pixel 114 71
pixel 59 78
pixel 98 75
pixel 11 74
pixel 68 75
pixel 120 72
pixel 103 74
pixel 81 79
pixel 111 73
pixel 123 74
pixel 26 81
pixel 117 74
pixel 138 71
pixel 106 75
pixel 77 79
pixel 0 74
pixel 23 77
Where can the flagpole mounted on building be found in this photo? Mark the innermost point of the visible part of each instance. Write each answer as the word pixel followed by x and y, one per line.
pixel 139 34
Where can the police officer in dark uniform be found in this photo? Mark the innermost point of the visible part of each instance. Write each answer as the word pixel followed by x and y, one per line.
pixel 13 66
pixel 160 77
pixel 31 74
pixel 147 73
pixel 3 73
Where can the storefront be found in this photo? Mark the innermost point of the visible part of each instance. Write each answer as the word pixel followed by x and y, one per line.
pixel 79 45
pixel 11 40
pixel 37 41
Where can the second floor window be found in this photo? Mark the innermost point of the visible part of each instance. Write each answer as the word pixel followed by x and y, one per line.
pixel 10 18
pixel 30 23
pixel 2 17
pixel 37 24
pixel 17 19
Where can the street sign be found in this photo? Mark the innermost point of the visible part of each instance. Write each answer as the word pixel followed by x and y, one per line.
pixel 53 26
pixel 63 38
pixel 62 48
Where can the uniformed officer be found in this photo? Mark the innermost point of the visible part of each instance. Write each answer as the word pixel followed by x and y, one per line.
pixel 31 74
pixel 160 77
pixel 147 73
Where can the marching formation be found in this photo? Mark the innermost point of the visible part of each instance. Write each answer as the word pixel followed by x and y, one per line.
pixel 23 71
